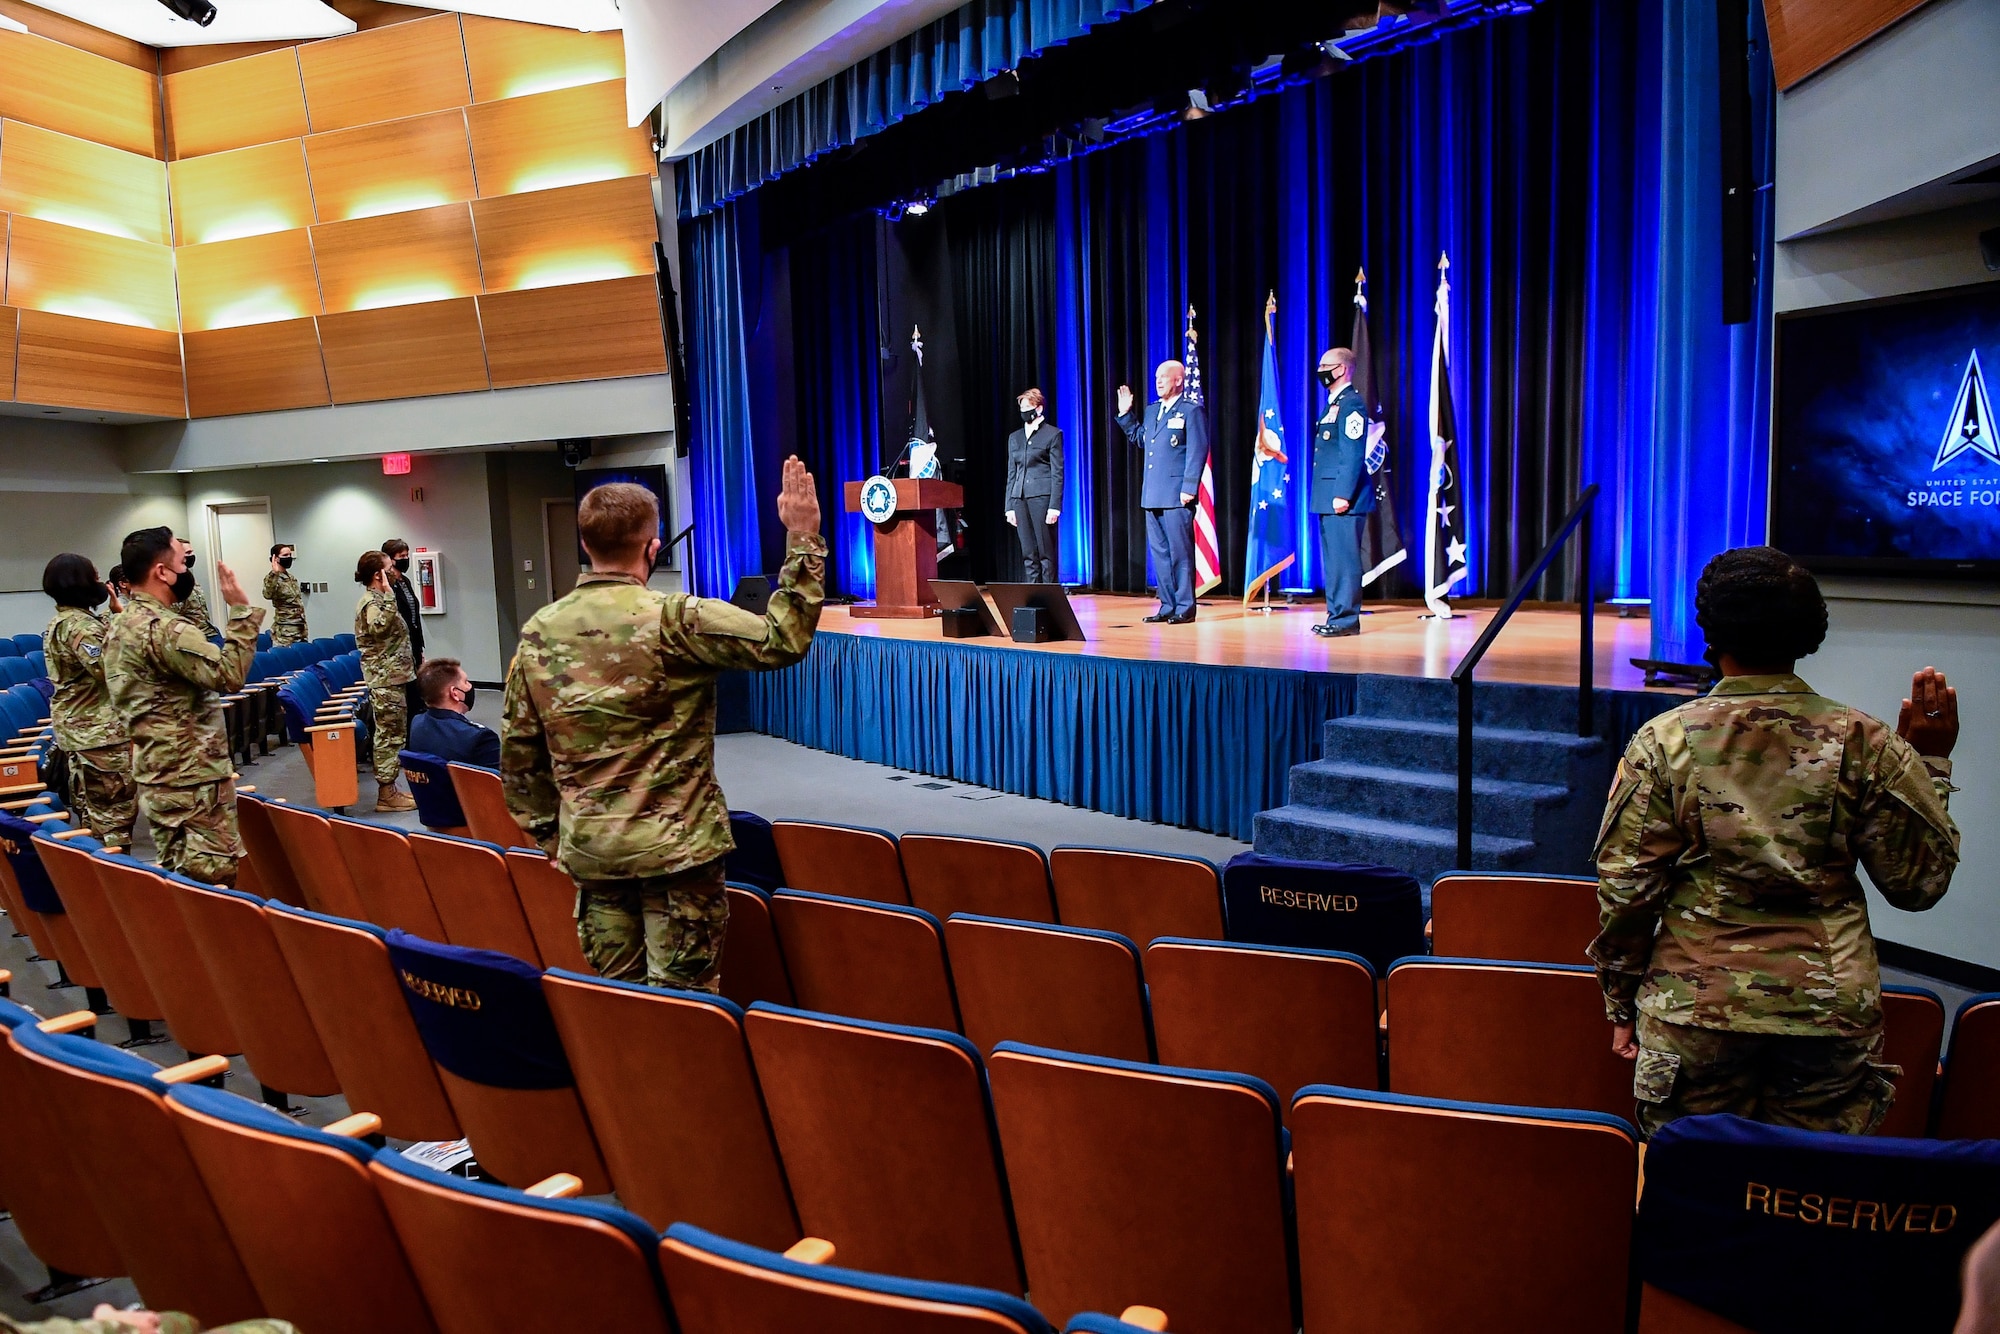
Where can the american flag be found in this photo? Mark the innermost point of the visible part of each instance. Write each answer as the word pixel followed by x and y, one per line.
pixel 1207 557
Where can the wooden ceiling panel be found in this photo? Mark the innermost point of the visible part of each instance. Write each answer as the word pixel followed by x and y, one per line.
pixel 59 177
pixel 418 162
pixel 553 139
pixel 580 233
pixel 67 362
pixel 405 69
pixel 83 36
pixel 246 192
pixel 1809 35
pixel 257 280
pixel 235 104
pixel 263 368
pixel 10 328
pixel 74 92
pixel 398 259
pixel 515 59
pixel 588 331
pixel 69 271
pixel 404 351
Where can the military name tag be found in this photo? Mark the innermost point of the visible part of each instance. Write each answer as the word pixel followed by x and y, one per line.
pixel 1176 422
pixel 878 499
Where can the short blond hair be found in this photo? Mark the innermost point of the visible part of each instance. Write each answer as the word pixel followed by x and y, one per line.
pixel 616 520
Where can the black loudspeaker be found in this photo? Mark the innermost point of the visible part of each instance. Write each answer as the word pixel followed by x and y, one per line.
pixel 1989 248
pixel 962 622
pixel 753 594
pixel 1031 625
pixel 1739 186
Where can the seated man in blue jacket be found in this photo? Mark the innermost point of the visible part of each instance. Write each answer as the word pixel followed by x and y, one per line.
pixel 442 729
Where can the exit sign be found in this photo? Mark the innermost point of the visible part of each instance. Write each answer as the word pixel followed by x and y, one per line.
pixel 395 465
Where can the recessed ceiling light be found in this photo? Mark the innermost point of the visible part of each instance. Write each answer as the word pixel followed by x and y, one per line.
pixel 184 470
pixel 322 460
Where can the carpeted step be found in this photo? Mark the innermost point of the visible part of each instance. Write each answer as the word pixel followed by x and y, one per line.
pixel 1494 704
pixel 1408 796
pixel 1513 754
pixel 1311 834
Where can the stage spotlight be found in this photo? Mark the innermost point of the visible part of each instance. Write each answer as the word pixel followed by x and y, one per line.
pixel 197 11
pixel 916 208
pixel 575 452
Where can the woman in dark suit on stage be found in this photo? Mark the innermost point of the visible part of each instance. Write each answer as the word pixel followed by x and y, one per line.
pixel 1035 487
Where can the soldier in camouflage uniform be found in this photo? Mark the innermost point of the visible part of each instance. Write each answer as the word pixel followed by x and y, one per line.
pixel 195 605
pixel 1735 932
pixel 608 749
pixel 87 728
pixel 166 680
pixel 107 1319
pixel 384 641
pixel 287 599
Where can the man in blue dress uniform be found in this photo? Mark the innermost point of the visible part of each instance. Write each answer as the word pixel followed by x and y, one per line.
pixel 1174 435
pixel 1343 495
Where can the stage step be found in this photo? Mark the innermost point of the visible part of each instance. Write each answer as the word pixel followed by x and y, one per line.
pixel 1499 806
pixel 1312 834
pixel 1497 752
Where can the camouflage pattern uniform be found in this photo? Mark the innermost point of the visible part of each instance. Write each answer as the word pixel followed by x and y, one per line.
pixel 288 608
pixel 384 640
pixel 1734 926
pixel 608 756
pixel 88 728
pixel 171 1322
pixel 166 682
pixel 195 608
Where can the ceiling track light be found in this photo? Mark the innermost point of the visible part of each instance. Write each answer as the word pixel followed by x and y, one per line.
pixel 199 12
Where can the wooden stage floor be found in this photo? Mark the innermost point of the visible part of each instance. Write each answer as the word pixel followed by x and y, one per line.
pixel 1536 648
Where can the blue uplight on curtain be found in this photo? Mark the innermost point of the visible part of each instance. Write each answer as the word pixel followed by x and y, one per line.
pixel 836 356
pixel 722 466
pixel 1075 560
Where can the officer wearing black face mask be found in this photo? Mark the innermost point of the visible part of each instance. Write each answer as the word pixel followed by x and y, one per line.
pixel 1035 487
pixel 193 602
pixel 1342 493
pixel 287 598
pixel 398 552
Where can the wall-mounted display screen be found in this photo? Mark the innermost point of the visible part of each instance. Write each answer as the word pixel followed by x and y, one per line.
pixel 652 476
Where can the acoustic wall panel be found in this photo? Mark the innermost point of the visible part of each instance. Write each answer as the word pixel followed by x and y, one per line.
pixel 566 137
pixel 60 88
pixel 67 362
pixel 586 331
pixel 397 259
pixel 417 162
pixel 403 351
pixel 246 192
pixel 509 59
pixel 258 280
pixel 10 328
pixel 61 178
pixel 83 36
pixel 235 104
pixel 580 233
pixel 405 69
pixel 261 368
pixel 68 271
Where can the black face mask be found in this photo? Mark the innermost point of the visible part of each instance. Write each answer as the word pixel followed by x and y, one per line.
pixel 99 596
pixel 285 562
pixel 470 691
pixel 190 563
pixel 183 585
pixel 402 565
pixel 1325 377
pixel 1029 414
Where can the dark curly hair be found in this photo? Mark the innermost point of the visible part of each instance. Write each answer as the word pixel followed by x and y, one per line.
pixel 368 566
pixel 71 580
pixel 1760 607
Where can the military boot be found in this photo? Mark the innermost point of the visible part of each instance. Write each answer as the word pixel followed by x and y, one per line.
pixel 389 798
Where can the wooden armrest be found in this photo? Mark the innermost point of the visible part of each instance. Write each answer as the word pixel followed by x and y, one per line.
pixel 21 804
pixel 112 849
pixel 810 1251
pixel 23 787
pixel 44 819
pixel 1383 1025
pixel 246 787
pixel 234 699
pixel 68 834
pixel 193 1072
pixel 23 753
pixel 76 1021
pixel 357 1126
pixel 345 725
pixel 1145 1317
pixel 558 1187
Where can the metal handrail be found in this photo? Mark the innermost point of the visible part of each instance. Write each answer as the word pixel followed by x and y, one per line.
pixel 1461 675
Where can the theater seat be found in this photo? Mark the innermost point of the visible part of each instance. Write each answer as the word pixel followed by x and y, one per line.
pixel 1913 1038
pixel 886 1135
pixel 865 960
pixel 1531 918
pixel 72 868
pixel 1428 1216
pixel 1376 912
pixel 111 1106
pixel 844 860
pixel 39 1178
pixel 547 899
pixel 350 989
pixel 490 1258
pixel 753 967
pixel 484 804
pixel 432 788
pixel 985 877
pixel 1136 1184
pixel 147 901
pixel 674 1105
pixel 474 895
pixel 1740 1219
pixel 1529 1035
pixel 1140 895
pixel 483 1019
pixel 386 877
pixel 268 1175
pixel 1291 1017
pixel 724 1287
pixel 1970 1105
pixel 34 894
pixel 755 858
pixel 268 861
pixel 1049 986
pixel 324 880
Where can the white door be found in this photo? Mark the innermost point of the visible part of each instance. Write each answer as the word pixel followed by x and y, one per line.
pixel 239 537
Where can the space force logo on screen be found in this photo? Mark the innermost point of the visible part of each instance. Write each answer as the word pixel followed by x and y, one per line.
pixel 1970 425
pixel 878 499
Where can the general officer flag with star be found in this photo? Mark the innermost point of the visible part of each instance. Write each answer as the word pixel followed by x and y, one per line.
pixel 1273 544
pixel 1444 520
pixel 1381 535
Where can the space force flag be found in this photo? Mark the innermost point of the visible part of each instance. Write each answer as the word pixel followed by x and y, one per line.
pixel 1381 534
pixel 1273 539
pixel 1444 517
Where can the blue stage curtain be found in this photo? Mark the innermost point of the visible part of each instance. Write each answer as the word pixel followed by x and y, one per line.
pixel 1711 468
pixel 721 458
pixel 959 51
pixel 840 426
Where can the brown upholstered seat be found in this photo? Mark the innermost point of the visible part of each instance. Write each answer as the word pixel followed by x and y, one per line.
pixel 1291 1017
pixel 1663 1312
pixel 988 877
pixel 386 878
pixel 315 858
pixel 1430 1217
pixel 485 805
pixel 547 898
pixel 1140 895
pixel 1526 918
pixel 52 933
pixel 148 906
pixel 73 871
pixel 39 1179
pixel 1913 1038
pixel 1051 986
pixel 1145 1184
pixel 753 967
pixel 1525 1035
pixel 886 1135
pixel 674 1104
pixel 232 933
pixel 344 977
pixel 865 960
pixel 269 864
pixel 474 895
pixel 1970 1105
pixel 267 1176
pixel 853 862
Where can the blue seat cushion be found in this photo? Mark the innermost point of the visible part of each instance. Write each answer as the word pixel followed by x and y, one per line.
pixel 481 1013
pixel 17 841
pixel 631 1225
pixel 240 1111
pixel 87 1054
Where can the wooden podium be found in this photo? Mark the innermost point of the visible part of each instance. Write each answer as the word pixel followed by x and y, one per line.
pixel 906 547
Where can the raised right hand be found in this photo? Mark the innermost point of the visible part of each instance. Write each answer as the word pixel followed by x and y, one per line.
pixel 225 584
pixel 798 502
pixel 1928 719
pixel 1124 399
